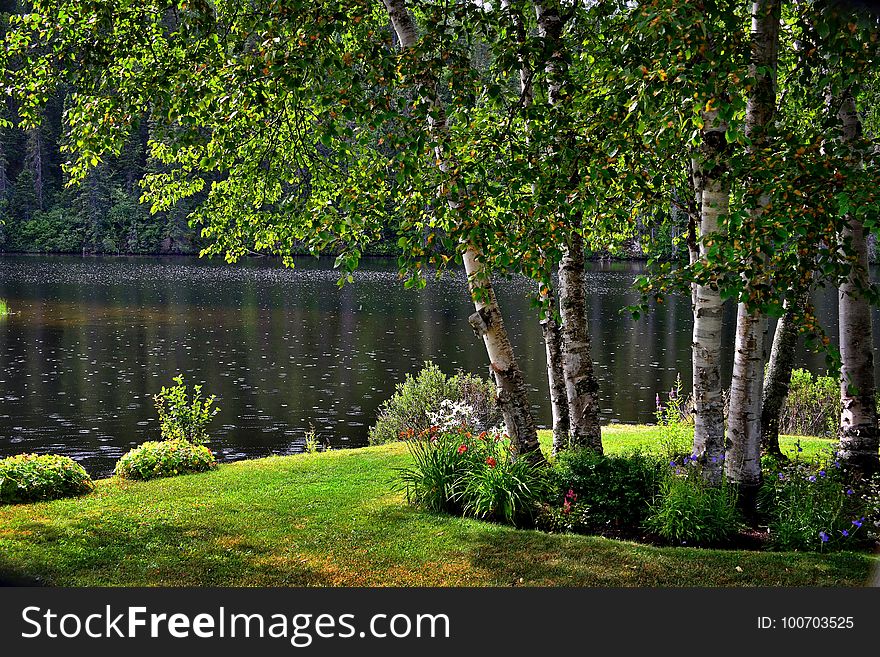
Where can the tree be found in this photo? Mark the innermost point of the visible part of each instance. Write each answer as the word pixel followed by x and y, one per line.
pixel 743 462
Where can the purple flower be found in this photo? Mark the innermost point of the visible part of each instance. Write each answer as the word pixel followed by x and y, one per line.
pixel 811 478
pixel 844 532
pixel 672 464
pixel 823 536
pixel 781 477
pixel 857 523
pixel 821 473
pixel 849 491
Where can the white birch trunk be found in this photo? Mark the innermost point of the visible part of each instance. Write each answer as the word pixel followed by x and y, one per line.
pixel 858 419
pixel 577 362
pixel 743 462
pixel 487 321
pixel 708 399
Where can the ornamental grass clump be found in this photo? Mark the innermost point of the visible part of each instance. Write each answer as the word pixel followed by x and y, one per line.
pixel 165 459
pixel 477 475
pixel 32 477
pixel 687 510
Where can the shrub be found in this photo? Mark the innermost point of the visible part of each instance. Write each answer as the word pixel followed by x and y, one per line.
pixel 817 506
pixel 688 510
pixel 812 407
pixel 29 478
pixel 165 459
pixel 591 492
pixel 457 472
pixel 181 418
pixel 432 399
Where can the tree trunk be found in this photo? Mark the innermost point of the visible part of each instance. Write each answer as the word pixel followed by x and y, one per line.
pixel 34 159
pixel 487 320
pixel 858 419
pixel 556 378
pixel 550 328
pixel 778 379
pixel 708 398
pixel 743 462
pixel 577 363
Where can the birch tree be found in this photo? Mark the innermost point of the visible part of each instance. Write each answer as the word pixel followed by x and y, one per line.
pixel 743 462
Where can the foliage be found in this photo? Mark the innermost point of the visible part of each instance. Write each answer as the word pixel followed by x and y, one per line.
pixel 432 399
pixel 182 418
pixel 688 510
pixel 455 471
pixel 675 422
pixel 593 492
pixel 311 445
pixel 32 477
pixel 812 407
pixel 165 459
pixel 816 505
pixel 4 308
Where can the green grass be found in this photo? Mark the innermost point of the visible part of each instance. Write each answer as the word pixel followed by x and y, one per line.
pixel 332 519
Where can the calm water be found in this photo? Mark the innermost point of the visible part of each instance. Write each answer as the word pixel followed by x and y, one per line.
pixel 91 339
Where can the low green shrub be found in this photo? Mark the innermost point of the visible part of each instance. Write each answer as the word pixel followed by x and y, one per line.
pixel 181 417
pixel 812 407
pixel 688 510
pixel 457 472
pixel 591 492
pixel 432 399
pixel 165 459
pixel 818 506
pixel 32 477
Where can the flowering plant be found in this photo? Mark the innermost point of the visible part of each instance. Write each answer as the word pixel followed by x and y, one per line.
pixel 817 505
pixel 474 474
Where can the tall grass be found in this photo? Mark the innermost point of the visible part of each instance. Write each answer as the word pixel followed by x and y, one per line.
pixel 4 308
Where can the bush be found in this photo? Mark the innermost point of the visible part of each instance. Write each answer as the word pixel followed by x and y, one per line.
pixel 817 506
pixel 689 510
pixel 591 492
pixel 812 407
pixel 181 418
pixel 457 472
pixel 432 399
pixel 29 478
pixel 165 459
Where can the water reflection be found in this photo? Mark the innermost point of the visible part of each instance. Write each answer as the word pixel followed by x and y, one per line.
pixel 92 339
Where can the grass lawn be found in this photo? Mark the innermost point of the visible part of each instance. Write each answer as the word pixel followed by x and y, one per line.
pixel 332 519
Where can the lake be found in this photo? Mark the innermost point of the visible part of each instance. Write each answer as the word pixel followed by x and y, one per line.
pixel 91 340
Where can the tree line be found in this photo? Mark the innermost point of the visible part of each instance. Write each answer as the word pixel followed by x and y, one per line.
pixel 512 136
